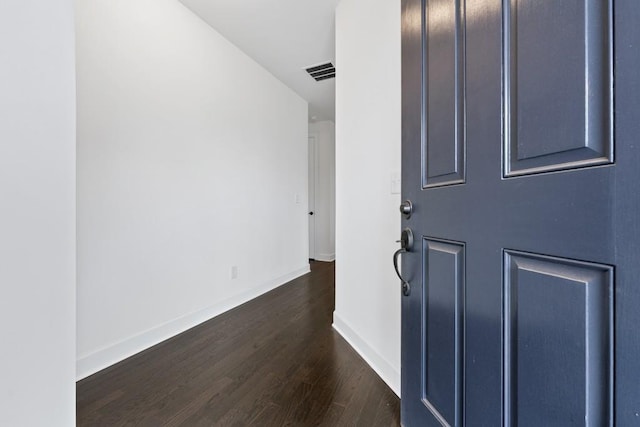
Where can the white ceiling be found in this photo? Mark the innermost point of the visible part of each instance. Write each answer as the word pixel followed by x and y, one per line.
pixel 284 36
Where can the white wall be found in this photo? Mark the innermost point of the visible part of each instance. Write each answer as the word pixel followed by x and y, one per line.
pixel 325 189
pixel 37 213
pixel 367 154
pixel 191 159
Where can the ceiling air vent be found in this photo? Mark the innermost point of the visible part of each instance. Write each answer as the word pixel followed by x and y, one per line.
pixel 322 71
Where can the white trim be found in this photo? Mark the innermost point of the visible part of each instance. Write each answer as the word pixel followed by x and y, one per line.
pixel 383 368
pixel 325 257
pixel 115 353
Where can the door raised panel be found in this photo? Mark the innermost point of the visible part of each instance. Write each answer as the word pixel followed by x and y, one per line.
pixel 443 138
pixel 557 342
pixel 443 320
pixel 558 85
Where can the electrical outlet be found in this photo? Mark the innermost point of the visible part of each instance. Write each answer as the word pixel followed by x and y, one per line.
pixel 234 272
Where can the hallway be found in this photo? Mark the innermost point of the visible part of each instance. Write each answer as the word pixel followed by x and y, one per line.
pixel 273 361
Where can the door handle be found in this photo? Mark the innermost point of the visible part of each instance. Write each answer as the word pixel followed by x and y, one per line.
pixel 406 243
pixel 406 287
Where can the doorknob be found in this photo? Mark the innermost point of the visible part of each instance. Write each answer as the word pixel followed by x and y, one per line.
pixel 406 243
pixel 406 208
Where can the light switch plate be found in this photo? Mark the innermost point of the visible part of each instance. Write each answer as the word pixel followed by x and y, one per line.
pixel 396 182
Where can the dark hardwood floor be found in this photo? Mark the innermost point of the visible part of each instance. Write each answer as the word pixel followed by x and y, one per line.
pixel 273 361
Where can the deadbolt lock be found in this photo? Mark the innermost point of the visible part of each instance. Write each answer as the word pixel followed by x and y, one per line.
pixel 406 208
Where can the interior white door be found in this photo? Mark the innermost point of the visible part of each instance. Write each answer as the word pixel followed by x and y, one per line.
pixel 312 197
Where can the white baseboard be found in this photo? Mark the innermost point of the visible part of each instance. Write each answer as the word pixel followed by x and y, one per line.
pixel 387 372
pixel 325 257
pixel 108 356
